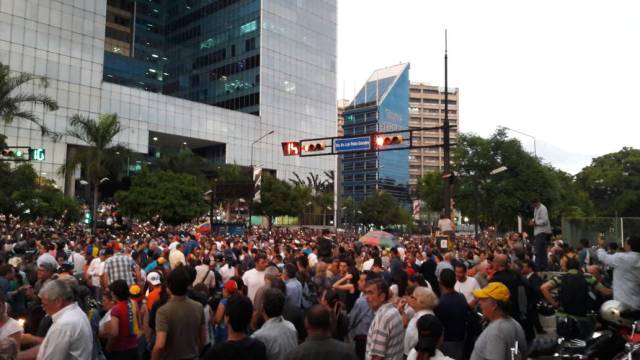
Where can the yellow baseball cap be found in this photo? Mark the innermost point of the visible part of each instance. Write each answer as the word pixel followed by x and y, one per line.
pixel 134 290
pixel 495 290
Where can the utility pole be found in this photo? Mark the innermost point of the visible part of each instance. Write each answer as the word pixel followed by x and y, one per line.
pixel 446 138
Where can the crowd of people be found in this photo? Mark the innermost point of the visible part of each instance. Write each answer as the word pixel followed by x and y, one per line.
pixel 152 291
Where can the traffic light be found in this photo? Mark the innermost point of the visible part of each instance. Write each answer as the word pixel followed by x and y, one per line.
pixel 311 147
pixel 387 140
pixel 291 148
pixel 13 154
pixel 87 217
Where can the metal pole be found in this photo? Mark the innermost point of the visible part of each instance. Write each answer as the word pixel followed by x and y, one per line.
pixel 252 170
pixel 211 215
pixel 535 150
pixel 446 135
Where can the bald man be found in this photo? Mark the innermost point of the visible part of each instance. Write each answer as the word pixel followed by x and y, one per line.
pixel 514 282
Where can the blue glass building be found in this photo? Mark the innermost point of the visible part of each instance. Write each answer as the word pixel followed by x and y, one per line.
pixel 381 105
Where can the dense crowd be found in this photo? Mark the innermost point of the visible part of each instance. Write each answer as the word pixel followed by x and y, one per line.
pixel 152 291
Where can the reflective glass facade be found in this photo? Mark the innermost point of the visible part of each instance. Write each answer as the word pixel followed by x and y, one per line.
pixel 381 105
pixel 201 50
pixel 71 42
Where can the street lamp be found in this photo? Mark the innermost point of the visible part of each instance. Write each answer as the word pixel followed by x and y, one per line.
pixel 495 171
pixel 252 170
pixel 535 152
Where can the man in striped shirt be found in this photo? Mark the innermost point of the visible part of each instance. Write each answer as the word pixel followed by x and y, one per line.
pixel 386 334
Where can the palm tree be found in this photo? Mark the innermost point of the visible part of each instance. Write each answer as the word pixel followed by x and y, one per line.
pixel 12 99
pixel 99 157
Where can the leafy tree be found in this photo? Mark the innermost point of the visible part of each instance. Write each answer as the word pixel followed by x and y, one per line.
pixel 13 100
pixel 382 209
pixel 321 192
pixel 429 189
pixel 277 199
pixel 99 157
pixel 496 199
pixel 24 194
pixel 177 198
pixel 613 183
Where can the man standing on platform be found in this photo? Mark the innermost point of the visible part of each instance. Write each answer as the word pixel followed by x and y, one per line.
pixel 541 233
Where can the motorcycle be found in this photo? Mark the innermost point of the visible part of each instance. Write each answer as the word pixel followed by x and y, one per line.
pixel 617 339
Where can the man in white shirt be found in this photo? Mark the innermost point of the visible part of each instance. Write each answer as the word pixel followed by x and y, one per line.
pixel 176 256
pixel 254 278
pixel 313 257
pixel 69 337
pixel 204 275
pixel 228 270
pixel 464 284
pixel 78 261
pixel 94 272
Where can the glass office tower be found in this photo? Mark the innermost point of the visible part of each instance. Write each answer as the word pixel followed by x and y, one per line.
pixel 210 75
pixel 381 105
pixel 200 50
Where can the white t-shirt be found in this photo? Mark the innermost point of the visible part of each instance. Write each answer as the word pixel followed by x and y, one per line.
pixel 467 287
pixel 227 272
pixel 9 328
pixel 95 270
pixel 313 259
pixel 366 266
pixel 253 280
pixel 413 355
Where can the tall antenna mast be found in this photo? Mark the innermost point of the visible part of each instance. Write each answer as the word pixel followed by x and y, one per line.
pixel 446 137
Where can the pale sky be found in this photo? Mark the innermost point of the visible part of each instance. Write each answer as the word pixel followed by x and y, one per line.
pixel 566 72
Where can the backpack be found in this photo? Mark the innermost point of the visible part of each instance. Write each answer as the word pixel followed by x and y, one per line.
pixel 574 294
pixel 309 291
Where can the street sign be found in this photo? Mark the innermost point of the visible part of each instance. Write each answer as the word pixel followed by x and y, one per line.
pixel 362 143
pixel 37 154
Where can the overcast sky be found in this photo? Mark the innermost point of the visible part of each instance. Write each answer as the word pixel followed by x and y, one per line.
pixel 566 72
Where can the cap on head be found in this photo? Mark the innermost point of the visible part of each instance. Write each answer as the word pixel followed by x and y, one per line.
pixel 495 290
pixel 135 290
pixel 231 286
pixel 154 278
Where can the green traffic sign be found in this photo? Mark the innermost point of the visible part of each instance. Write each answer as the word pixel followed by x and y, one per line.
pixel 37 154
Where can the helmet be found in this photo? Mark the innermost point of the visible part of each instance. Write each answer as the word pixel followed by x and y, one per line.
pixel 611 311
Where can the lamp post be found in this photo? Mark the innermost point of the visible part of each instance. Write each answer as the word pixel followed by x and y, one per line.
pixel 478 182
pixel 252 169
pixel 535 152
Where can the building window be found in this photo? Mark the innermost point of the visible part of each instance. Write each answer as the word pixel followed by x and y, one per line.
pixel 250 44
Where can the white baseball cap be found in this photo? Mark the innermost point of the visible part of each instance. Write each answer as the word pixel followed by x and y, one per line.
pixel 154 278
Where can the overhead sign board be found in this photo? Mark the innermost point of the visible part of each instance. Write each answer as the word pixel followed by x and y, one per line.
pixel 362 143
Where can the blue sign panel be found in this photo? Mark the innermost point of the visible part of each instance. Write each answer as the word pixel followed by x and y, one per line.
pixel 352 144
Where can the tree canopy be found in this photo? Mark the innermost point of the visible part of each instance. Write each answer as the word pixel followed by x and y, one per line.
pixel 175 197
pixel 23 193
pixel 613 183
pixel 382 209
pixel 493 197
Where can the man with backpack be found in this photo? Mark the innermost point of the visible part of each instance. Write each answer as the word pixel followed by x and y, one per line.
pixel 576 291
